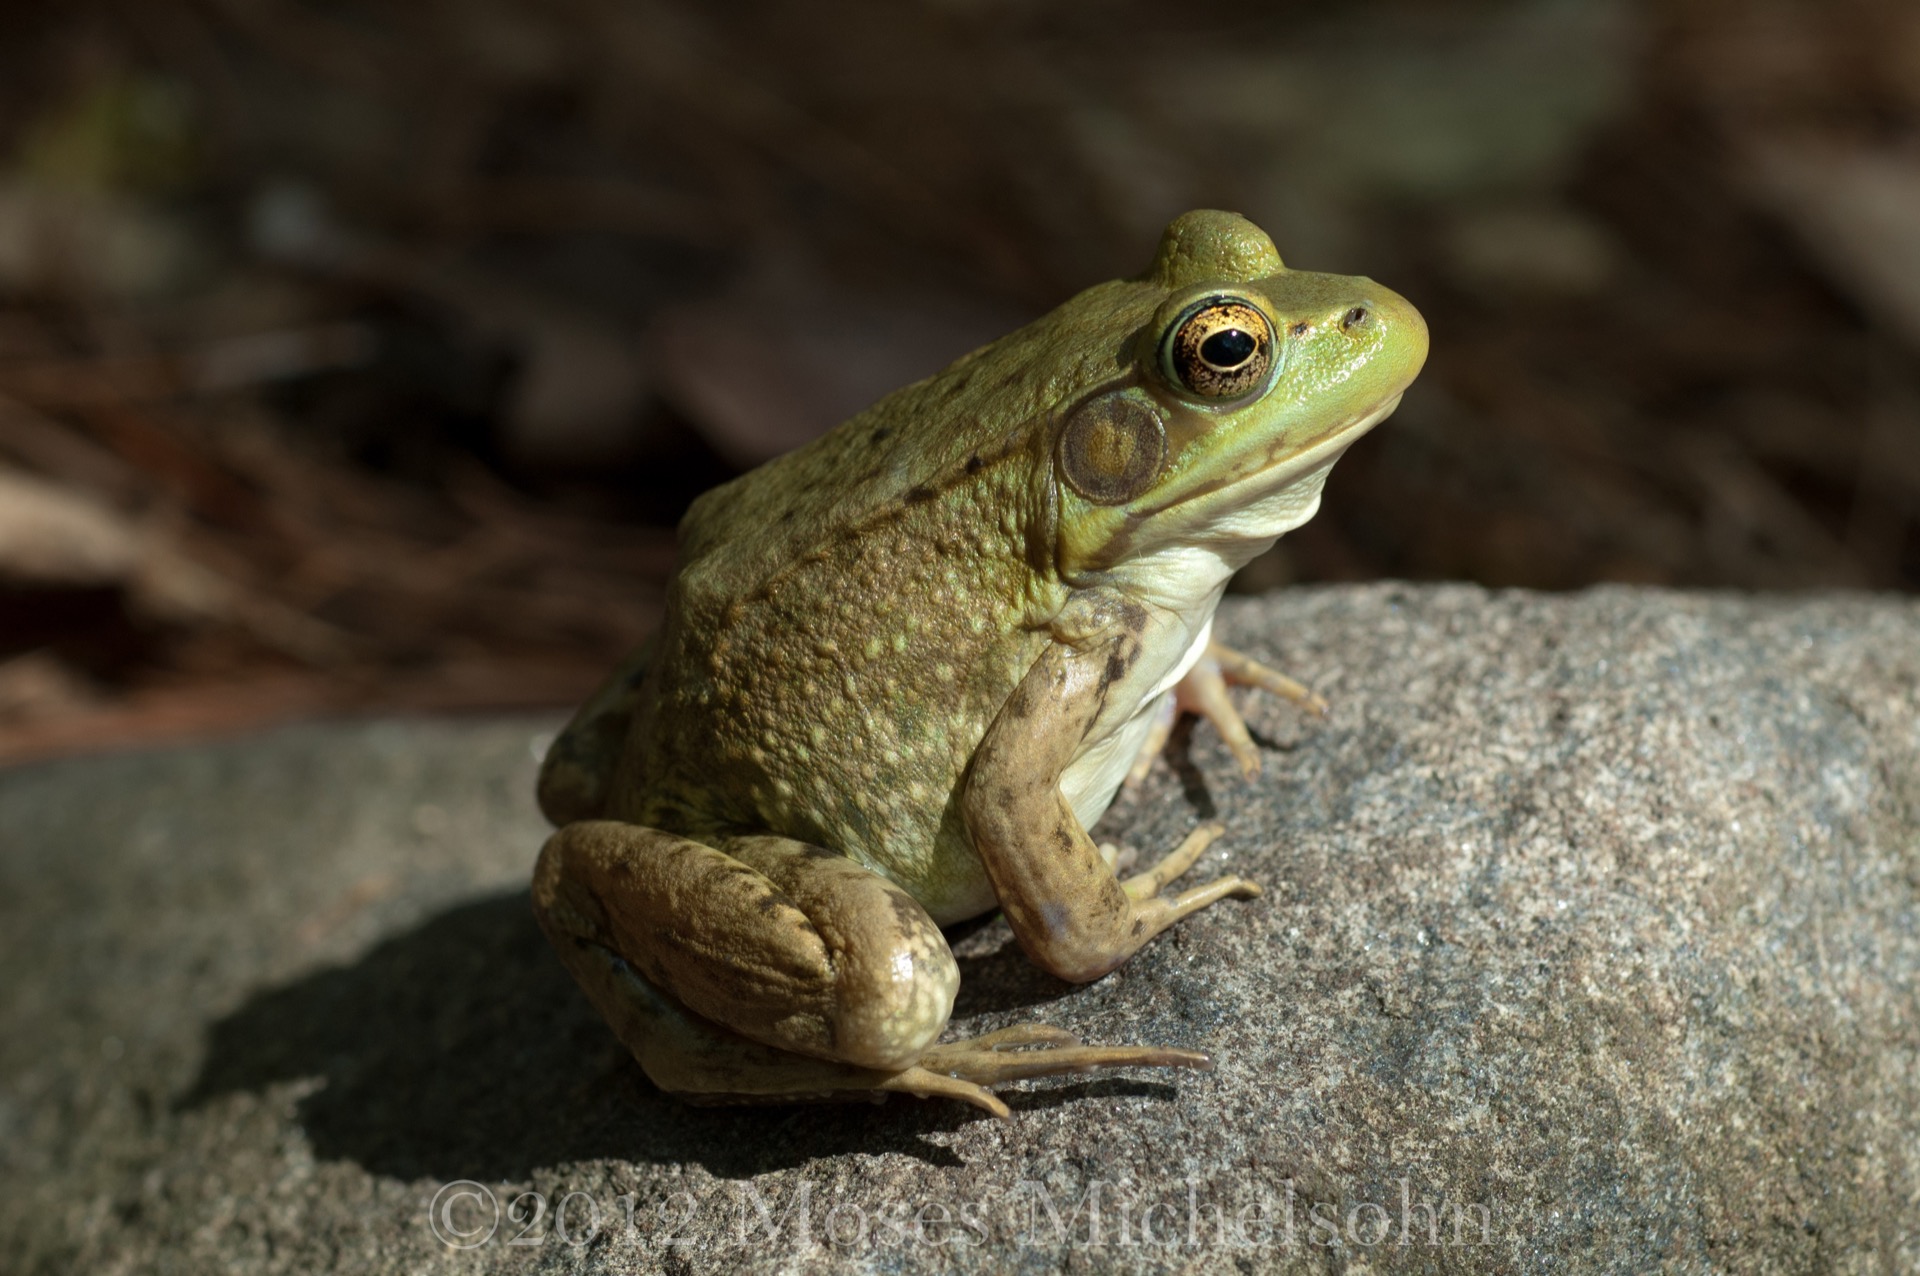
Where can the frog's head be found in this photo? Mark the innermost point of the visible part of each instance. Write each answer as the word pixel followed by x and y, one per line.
pixel 1246 383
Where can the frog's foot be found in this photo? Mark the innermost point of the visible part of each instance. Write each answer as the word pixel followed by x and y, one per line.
pixel 964 1069
pixel 1204 691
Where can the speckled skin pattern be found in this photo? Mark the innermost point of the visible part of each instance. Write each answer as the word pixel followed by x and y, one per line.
pixel 903 667
pixel 807 701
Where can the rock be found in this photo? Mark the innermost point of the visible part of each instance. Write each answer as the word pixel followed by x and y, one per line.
pixel 1591 944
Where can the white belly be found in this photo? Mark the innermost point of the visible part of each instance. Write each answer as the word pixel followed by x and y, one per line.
pixel 1092 778
pixel 1177 582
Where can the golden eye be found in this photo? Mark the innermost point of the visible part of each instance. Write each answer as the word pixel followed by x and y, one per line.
pixel 1221 349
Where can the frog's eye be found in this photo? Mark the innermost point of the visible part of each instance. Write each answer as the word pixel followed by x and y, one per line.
pixel 1221 349
pixel 1112 448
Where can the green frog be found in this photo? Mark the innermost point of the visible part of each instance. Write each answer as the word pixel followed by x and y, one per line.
pixel 903 669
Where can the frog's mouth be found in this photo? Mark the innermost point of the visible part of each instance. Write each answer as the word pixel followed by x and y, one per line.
pixel 1325 452
pixel 1276 477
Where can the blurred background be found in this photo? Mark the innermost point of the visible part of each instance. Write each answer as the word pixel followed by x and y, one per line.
pixel 362 354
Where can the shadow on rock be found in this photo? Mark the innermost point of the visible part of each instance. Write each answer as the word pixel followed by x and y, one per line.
pixel 999 980
pixel 462 1050
pixel 1193 785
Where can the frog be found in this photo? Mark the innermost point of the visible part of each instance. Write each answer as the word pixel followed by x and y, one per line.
pixel 905 667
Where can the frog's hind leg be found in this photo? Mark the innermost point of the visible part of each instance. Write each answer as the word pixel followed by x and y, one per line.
pixel 577 772
pixel 703 1063
pixel 780 942
pixel 776 970
pixel 1204 691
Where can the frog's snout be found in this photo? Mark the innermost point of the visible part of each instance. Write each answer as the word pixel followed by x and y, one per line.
pixel 1390 319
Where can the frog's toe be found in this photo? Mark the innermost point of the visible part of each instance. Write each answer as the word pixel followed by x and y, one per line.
pixel 964 1069
pixel 1244 671
pixel 1148 884
pixel 1036 1050
pixel 928 1084
pixel 1204 691
pixel 1119 858
pixel 1026 1034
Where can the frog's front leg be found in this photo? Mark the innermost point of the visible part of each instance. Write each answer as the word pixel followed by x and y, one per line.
pixel 772 969
pixel 1066 907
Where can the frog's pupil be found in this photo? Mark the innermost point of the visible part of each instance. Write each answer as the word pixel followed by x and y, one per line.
pixel 1228 348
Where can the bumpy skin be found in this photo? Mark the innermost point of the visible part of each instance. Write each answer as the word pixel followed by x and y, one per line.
pixel 903 668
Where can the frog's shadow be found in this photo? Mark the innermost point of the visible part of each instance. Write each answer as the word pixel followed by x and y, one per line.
pixel 460 1049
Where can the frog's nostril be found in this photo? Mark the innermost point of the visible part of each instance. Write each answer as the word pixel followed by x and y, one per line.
pixel 1358 317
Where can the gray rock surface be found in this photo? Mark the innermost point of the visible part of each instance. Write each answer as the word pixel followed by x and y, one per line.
pixel 1592 936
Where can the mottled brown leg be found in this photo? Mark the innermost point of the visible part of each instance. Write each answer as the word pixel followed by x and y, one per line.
pixel 780 942
pixel 649 923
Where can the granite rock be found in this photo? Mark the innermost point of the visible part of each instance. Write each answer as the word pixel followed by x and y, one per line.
pixel 1591 944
